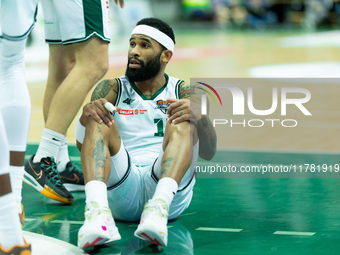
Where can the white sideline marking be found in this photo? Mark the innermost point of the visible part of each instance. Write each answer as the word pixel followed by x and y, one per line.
pixel 220 229
pixel 136 225
pixel 67 221
pixel 295 233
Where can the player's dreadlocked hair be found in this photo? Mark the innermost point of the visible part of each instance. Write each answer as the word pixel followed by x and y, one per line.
pixel 160 25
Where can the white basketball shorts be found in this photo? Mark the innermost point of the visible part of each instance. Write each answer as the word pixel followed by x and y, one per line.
pixel 72 21
pixel 128 197
pixel 17 18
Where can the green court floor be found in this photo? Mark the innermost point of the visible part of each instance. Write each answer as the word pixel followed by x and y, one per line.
pixel 240 215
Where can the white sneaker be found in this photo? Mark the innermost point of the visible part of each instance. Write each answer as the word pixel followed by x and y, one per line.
pixel 99 227
pixel 153 224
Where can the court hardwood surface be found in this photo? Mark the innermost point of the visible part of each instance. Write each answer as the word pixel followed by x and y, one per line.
pixel 234 213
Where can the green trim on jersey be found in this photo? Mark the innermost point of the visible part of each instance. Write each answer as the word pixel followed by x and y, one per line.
pixel 93 17
pixel 133 85
pixel 119 88
pixel 177 88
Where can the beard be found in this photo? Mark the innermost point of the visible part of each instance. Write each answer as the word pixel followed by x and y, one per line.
pixel 146 71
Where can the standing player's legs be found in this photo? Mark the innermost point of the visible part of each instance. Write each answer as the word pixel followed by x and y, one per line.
pixel 89 36
pixel 88 64
pixel 61 62
pixel 91 64
pixel 11 238
pixel 17 20
pixel 15 106
pixel 100 143
pixel 175 162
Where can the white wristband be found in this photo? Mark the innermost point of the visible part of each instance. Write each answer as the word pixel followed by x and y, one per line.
pixel 79 131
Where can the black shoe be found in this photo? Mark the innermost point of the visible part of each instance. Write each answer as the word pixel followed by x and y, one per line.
pixel 45 178
pixel 73 178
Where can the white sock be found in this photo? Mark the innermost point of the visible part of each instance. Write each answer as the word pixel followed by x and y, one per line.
pixel 63 157
pixel 96 191
pixel 17 175
pixel 10 233
pixel 166 190
pixel 49 145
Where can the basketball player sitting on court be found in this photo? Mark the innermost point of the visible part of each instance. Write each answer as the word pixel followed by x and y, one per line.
pixel 138 165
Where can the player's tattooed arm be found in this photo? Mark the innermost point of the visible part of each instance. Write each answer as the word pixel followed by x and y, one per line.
pixel 186 91
pixel 188 108
pixel 106 88
pixel 180 109
pixel 207 137
pixel 105 91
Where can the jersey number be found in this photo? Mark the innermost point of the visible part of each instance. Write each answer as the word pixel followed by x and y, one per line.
pixel 160 129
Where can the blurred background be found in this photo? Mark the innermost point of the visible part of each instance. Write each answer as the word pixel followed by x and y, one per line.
pixel 221 39
pixel 307 15
pixel 229 39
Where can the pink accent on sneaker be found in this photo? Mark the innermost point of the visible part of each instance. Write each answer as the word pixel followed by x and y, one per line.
pixel 104 228
pixel 93 243
pixel 155 241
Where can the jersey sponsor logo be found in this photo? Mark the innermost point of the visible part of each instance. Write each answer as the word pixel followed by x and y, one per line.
pixel 132 112
pixel 162 105
pixel 128 101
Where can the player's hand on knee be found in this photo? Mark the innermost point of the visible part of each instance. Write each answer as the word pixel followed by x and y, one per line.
pixel 181 110
pixel 98 112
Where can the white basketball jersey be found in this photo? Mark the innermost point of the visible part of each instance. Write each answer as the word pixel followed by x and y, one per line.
pixel 142 121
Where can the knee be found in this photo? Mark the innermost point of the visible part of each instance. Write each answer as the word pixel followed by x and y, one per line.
pixel 95 130
pixel 64 68
pixel 13 49
pixel 12 57
pixel 95 64
pixel 99 68
pixel 184 130
pixel 91 125
pixel 183 134
pixel 95 71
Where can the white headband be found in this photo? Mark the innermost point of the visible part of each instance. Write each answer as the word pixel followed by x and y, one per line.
pixel 155 34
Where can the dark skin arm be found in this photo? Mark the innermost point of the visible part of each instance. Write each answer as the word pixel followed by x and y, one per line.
pixel 105 91
pixel 187 108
